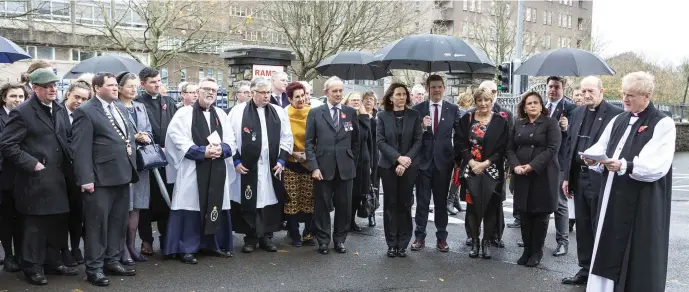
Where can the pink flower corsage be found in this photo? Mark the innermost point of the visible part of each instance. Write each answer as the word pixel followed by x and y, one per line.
pixel 503 115
pixel 246 130
pixel 217 122
pixel 343 116
pixel 164 106
pixel 641 129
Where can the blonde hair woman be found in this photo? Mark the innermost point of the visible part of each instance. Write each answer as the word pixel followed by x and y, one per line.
pixel 362 181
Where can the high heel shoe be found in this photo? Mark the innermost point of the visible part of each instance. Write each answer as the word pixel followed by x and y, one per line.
pixel 474 248
pixel 485 249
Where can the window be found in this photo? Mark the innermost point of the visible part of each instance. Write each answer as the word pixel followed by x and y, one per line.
pixel 51 9
pixel 492 7
pixel 12 7
pixel 478 6
pixel 579 44
pixel 200 75
pixel 220 78
pixel 466 4
pixel 42 53
pixel 79 55
pixel 183 75
pixel 546 41
pixel 472 5
pixel 465 29
pixel 580 23
pixel 571 2
pixel 559 42
pixel 163 75
pixel 545 17
pixel 528 14
pixel 569 21
pixel 559 19
pixel 534 18
pixel 210 73
pixel 550 18
pixel 254 36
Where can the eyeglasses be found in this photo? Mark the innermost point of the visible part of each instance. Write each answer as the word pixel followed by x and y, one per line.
pixel 190 92
pixel 208 89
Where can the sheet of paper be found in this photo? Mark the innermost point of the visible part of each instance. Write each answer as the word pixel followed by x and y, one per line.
pixel 599 157
pixel 214 138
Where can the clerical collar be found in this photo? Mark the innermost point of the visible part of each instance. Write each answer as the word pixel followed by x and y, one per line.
pixel 594 108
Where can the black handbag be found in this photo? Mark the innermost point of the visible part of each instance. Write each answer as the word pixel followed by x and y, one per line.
pixel 149 157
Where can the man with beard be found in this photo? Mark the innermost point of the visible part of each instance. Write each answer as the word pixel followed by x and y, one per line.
pixel 160 109
pixel 264 141
pixel 199 152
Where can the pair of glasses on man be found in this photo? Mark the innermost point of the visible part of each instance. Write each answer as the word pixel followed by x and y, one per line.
pixel 208 89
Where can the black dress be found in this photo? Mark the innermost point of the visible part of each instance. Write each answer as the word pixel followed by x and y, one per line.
pixel 362 181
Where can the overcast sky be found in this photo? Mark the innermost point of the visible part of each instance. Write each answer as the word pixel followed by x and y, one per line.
pixel 655 28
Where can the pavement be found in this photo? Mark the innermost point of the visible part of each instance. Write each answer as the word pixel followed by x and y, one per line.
pixel 365 266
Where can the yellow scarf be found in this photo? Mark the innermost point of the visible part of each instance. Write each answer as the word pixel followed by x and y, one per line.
pixel 297 118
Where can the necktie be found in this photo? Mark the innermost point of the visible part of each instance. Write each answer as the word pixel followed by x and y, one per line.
pixel 550 109
pixel 435 118
pixel 71 118
pixel 336 118
pixel 117 119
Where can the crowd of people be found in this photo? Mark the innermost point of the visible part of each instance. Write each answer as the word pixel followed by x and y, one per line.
pixel 77 170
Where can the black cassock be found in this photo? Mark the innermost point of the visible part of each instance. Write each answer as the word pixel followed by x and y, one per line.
pixel 631 246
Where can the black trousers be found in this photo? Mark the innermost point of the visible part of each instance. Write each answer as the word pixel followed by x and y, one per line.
pixel 534 229
pixel 331 195
pixel 435 183
pixel 399 197
pixel 11 230
pixel 44 235
pixel 158 211
pixel 498 226
pixel 106 212
pixel 586 209
pixel 75 220
pixel 490 216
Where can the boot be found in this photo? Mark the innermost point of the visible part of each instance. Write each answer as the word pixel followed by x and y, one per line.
pixel 474 248
pixel 485 249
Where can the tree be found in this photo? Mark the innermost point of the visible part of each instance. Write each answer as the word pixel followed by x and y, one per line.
pixel 171 29
pixel 669 80
pixel 318 29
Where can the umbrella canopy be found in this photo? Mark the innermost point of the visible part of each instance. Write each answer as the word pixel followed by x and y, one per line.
pixel 10 52
pixel 432 53
pixel 107 63
pixel 352 65
pixel 564 62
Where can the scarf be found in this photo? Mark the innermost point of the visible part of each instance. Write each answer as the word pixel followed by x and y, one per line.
pixel 210 173
pixel 297 118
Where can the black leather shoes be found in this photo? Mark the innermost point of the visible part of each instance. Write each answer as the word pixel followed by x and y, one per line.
pixel 189 259
pixel 535 260
pixel 402 252
pixel 576 280
pixel 485 250
pixel 469 242
pixel 323 249
pixel 475 246
pixel 98 279
pixel 526 255
pixel 497 243
pixel 10 265
pixel 372 221
pixel 561 250
pixel 339 247
pixel 119 270
pixel 248 248
pixel 355 227
pixel 63 271
pixel 392 252
pixel 268 245
pixel 36 278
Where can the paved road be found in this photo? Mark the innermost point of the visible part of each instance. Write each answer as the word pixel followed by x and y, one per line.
pixel 366 268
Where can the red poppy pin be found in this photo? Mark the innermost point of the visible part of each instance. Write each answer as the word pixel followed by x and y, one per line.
pixel 217 122
pixel 503 115
pixel 246 130
pixel 343 116
pixel 164 106
pixel 641 129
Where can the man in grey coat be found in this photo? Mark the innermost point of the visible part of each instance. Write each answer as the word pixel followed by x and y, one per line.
pixel 332 147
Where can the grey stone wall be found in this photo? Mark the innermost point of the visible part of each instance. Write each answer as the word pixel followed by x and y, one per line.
pixel 682 142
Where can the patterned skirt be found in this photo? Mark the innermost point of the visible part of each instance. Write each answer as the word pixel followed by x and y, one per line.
pixel 299 187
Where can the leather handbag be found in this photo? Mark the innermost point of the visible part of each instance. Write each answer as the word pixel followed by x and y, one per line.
pixel 150 156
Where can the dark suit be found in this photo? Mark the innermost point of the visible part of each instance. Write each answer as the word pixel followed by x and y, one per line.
pixel 437 161
pixel 583 183
pixel 76 214
pixel 103 160
pixel 333 149
pixel 563 108
pixel 283 98
pixel 535 193
pixel 33 134
pixel 395 141
pixel 499 212
pixel 10 219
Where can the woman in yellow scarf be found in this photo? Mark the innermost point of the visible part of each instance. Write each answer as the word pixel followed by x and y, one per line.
pixel 298 182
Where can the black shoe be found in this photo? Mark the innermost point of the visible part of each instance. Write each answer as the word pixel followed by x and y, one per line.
pixel 475 246
pixel 355 227
pixel 497 243
pixel 36 278
pixel 189 259
pixel 339 247
pixel 268 245
pixel 534 261
pixel 128 262
pixel 402 252
pixel 560 250
pixel 520 243
pixel 526 255
pixel 119 270
pixel 248 248
pixel 576 280
pixel 485 250
pixel 98 279
pixel 78 257
pixel 572 222
pixel 63 271
pixel 372 221
pixel 515 224
pixel 469 242
pixel 11 265
pixel 323 249
pixel 392 252
pixel 68 259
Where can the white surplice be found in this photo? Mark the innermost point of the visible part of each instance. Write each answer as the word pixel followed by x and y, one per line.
pixel 265 194
pixel 654 162
pixel 182 171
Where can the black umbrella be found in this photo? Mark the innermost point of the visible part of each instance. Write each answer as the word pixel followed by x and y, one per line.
pixel 351 65
pixel 10 52
pixel 564 62
pixel 481 188
pixel 432 53
pixel 107 63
